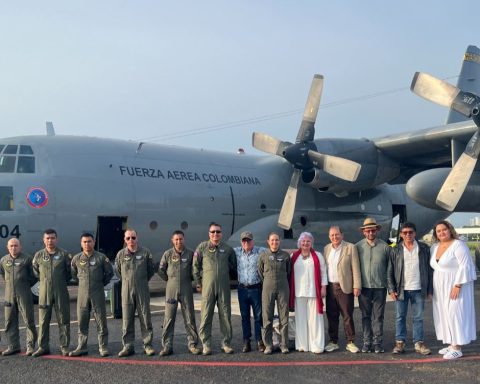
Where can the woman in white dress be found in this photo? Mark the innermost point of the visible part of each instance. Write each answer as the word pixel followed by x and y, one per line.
pixel 308 286
pixel 453 277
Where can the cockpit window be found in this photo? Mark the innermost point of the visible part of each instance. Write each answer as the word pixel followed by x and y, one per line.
pixel 6 199
pixel 1 147
pixel 7 164
pixel 11 150
pixel 26 150
pixel 26 164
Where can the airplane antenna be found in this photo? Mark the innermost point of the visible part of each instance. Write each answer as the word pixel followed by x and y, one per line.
pixel 139 148
pixel 50 129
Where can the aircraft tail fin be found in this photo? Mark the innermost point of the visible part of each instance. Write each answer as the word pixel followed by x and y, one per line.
pixel 50 129
pixel 468 80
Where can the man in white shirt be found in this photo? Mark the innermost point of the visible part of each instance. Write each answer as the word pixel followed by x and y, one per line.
pixel 410 279
pixel 344 283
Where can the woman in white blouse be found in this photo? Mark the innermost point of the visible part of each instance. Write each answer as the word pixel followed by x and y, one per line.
pixel 308 286
pixel 453 277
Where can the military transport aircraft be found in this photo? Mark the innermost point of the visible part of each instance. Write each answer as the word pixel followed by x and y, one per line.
pixel 77 184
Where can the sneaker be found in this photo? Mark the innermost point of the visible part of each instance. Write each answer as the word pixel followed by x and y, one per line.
pixel 39 352
pixel 206 351
pixel 268 350
pixel 11 351
pixel 65 351
pixel 149 351
pixel 399 347
pixel 378 348
pixel 284 350
pixel 103 351
pixel 78 352
pixel 331 346
pixel 227 349
pixel 30 350
pixel 194 350
pixel 126 351
pixel 453 354
pixel 445 350
pixel 260 346
pixel 366 348
pixel 421 348
pixel 351 347
pixel 166 351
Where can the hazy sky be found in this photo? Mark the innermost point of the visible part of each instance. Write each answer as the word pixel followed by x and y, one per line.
pixel 164 70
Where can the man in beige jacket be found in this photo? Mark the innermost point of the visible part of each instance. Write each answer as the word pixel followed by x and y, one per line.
pixel 344 282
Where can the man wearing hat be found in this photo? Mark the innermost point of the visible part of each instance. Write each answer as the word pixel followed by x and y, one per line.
pixel 249 289
pixel 374 255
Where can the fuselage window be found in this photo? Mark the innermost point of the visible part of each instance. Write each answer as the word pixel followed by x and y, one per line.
pixel 7 164
pixel 10 150
pixel 25 150
pixel 6 199
pixel 26 164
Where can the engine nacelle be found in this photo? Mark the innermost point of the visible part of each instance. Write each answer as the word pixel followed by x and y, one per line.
pixel 376 167
pixel 424 187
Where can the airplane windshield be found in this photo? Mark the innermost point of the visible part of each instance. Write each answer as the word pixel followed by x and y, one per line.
pixel 6 199
pixel 8 159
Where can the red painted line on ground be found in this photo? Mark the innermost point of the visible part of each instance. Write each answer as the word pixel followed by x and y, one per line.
pixel 252 363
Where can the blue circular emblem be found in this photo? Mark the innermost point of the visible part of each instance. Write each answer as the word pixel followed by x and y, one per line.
pixel 37 197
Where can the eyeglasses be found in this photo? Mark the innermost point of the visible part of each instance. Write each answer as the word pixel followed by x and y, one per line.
pixel 131 238
pixel 408 232
pixel 370 230
pixel 246 240
pixel 215 231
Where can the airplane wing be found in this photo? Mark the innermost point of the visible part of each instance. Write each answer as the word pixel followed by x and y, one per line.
pixel 426 148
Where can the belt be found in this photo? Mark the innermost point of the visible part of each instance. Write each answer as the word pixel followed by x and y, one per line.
pixel 253 286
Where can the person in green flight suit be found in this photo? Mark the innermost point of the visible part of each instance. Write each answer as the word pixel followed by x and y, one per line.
pixel 16 269
pixel 51 266
pixel 214 262
pixel 135 267
pixel 93 271
pixel 176 270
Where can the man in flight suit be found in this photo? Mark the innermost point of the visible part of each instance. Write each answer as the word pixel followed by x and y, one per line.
pixel 93 271
pixel 52 266
pixel 176 270
pixel 16 269
pixel 213 262
pixel 135 267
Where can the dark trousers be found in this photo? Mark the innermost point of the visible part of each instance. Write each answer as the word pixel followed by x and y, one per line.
pixel 372 305
pixel 251 297
pixel 339 303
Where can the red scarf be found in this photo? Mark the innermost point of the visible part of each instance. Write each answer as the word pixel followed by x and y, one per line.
pixel 317 274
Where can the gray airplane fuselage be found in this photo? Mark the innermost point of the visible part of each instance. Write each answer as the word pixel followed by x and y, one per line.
pixel 157 189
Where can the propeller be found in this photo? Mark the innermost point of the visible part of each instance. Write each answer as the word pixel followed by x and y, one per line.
pixel 468 104
pixel 303 153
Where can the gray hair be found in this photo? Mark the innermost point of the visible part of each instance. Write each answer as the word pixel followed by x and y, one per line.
pixel 302 236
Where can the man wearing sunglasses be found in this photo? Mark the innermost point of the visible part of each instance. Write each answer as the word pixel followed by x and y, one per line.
pixel 135 268
pixel 249 289
pixel 410 279
pixel 374 256
pixel 214 262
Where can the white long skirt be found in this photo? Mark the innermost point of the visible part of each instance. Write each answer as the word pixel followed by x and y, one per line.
pixel 309 326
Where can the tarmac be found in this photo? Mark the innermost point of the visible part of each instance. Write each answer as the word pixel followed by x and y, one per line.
pixel 336 367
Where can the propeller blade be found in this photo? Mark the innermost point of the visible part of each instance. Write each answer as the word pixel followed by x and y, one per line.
pixel 457 180
pixel 443 93
pixel 288 208
pixel 337 166
pixel 433 89
pixel 307 128
pixel 265 143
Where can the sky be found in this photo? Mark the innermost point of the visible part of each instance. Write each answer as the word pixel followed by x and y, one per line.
pixel 209 73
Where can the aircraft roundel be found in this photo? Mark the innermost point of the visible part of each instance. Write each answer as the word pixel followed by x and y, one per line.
pixel 37 197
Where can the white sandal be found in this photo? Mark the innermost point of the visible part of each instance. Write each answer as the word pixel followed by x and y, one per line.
pixel 453 354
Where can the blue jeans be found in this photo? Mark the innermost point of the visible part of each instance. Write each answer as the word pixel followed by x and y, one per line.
pixel 417 302
pixel 251 297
